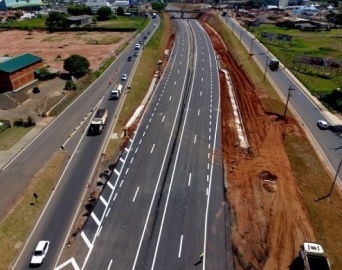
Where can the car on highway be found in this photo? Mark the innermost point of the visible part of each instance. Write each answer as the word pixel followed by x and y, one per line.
pixel 129 58
pixel 124 77
pixel 148 32
pixel 140 42
pixel 40 253
pixel 137 46
pixel 322 124
pixel 136 53
pixel 145 37
pixel 154 25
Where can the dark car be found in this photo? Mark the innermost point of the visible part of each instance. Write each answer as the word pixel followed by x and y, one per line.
pixel 140 42
pixel 129 58
pixel 36 90
pixel 145 37
pixel 136 53
pixel 148 32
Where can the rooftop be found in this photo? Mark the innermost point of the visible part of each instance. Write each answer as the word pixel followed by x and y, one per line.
pixel 18 62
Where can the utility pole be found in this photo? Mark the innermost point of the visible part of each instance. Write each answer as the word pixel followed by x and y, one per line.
pixel 288 97
pixel 333 183
pixel 252 46
pixel 265 68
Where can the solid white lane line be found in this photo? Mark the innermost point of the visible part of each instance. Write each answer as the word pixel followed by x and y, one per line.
pixel 110 264
pixel 108 211
pixel 135 195
pixel 97 221
pixel 86 240
pixel 116 194
pixel 103 201
pixel 180 246
pixel 163 119
pixel 195 138
pixel 152 148
pixel 99 231
pixel 121 183
pixel 116 171
pixel 189 179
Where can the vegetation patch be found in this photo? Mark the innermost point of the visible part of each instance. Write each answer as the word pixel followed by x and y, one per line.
pixel 110 39
pixel 11 136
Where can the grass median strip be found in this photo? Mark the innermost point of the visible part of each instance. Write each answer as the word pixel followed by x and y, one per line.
pixel 11 136
pixel 15 228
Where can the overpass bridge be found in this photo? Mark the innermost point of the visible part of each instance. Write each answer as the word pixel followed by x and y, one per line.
pixel 185 11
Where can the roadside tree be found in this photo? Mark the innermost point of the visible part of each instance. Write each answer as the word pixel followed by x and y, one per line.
pixel 76 10
pixel 120 11
pixel 76 65
pixel 55 19
pixel 104 13
pixel 159 6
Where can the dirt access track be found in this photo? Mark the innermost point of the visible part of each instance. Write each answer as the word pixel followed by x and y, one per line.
pixel 55 47
pixel 269 218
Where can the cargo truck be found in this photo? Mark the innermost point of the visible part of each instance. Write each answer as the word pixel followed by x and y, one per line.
pixel 98 122
pixel 116 91
pixel 313 257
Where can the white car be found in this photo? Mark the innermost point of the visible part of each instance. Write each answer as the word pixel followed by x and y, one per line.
pixel 154 25
pixel 124 77
pixel 322 124
pixel 137 46
pixel 40 253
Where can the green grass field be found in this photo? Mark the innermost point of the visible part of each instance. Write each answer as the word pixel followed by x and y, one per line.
pixel 11 136
pixel 312 44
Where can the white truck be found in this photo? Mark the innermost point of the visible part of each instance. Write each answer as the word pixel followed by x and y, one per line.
pixel 313 256
pixel 98 122
pixel 116 91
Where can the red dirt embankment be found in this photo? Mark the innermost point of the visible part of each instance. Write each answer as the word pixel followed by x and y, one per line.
pixel 269 219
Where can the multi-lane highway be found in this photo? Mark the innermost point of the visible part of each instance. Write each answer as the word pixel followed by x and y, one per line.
pixel 164 203
pixel 307 110
pixel 55 222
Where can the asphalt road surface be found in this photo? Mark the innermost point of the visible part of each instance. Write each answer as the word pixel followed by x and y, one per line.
pixel 84 151
pixel 164 203
pixel 328 141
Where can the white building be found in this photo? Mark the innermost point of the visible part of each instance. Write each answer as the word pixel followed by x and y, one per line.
pixel 123 4
pixel 95 5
